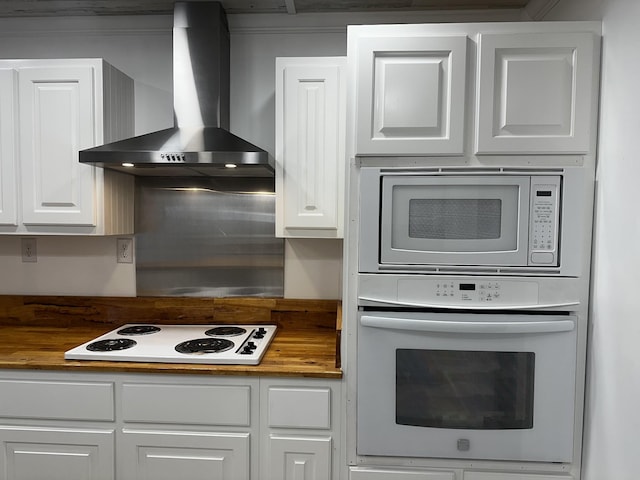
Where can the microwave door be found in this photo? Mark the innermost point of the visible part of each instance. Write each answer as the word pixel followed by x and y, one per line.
pixel 479 221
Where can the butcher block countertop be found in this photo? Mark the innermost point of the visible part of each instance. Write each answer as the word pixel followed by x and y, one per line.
pixel 35 331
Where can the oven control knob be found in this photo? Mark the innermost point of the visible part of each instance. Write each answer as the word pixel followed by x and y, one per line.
pixel 464 444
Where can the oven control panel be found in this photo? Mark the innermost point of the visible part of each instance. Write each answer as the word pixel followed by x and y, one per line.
pixel 467 292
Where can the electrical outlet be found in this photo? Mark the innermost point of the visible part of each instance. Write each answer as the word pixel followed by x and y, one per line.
pixel 124 250
pixel 29 250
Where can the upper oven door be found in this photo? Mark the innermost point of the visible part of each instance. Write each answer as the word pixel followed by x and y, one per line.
pixel 454 220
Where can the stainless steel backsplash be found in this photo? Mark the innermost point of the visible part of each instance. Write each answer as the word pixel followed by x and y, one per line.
pixel 212 237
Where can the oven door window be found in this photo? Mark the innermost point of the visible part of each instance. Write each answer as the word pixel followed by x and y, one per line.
pixel 479 390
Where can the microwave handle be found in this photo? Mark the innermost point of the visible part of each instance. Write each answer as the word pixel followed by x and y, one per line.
pixel 469 307
pixel 446 326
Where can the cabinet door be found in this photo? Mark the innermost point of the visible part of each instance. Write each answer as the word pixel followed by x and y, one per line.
pixel 310 153
pixel 8 179
pixel 366 473
pixel 410 95
pixel 56 108
pixel 56 454
pixel 513 476
pixel 170 455
pixel 536 93
pixel 299 458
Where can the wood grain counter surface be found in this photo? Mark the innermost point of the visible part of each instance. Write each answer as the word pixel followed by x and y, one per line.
pixel 35 332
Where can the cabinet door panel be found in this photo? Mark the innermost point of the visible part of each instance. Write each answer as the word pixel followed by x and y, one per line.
pixel 56 121
pixel 169 455
pixel 8 152
pixel 187 404
pixel 299 407
pixel 365 473
pixel 410 95
pixel 513 476
pixel 300 458
pixel 57 400
pixel 310 153
pixel 56 454
pixel 535 93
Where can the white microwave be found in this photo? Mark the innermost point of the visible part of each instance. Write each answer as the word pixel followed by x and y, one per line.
pixel 502 221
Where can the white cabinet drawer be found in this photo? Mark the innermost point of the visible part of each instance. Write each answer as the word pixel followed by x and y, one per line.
pixel 56 400
pixel 186 404
pixel 513 476
pixel 300 407
pixel 389 474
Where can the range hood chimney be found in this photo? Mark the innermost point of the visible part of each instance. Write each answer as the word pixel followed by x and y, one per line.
pixel 199 144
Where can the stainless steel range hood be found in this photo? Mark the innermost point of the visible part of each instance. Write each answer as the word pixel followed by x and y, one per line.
pixel 199 144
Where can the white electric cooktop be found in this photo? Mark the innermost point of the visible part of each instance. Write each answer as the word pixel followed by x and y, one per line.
pixel 212 344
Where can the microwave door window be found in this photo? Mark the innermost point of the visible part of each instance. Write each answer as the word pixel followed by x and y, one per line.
pixel 455 218
pixel 480 390
pixel 433 219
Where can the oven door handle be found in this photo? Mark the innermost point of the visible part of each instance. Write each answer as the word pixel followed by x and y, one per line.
pixel 469 307
pixel 446 326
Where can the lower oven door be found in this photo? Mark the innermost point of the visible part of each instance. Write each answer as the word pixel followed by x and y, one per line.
pixel 467 386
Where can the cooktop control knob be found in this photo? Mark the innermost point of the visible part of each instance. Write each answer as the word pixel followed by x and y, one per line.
pixel 260 333
pixel 247 350
pixel 252 345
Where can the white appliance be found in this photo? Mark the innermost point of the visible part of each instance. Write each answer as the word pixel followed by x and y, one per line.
pixel 491 386
pixel 211 344
pixel 470 220
pixel 471 319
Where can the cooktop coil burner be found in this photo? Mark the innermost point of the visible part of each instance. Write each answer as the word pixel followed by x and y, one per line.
pixel 226 331
pixel 204 345
pixel 138 330
pixel 111 345
pixel 211 344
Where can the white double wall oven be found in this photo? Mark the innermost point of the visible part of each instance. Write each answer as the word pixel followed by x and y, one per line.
pixel 467 326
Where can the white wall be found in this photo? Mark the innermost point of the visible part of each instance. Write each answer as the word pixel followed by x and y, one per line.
pixel 613 417
pixel 142 48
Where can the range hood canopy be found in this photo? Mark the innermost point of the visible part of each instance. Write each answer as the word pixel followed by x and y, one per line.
pixel 200 143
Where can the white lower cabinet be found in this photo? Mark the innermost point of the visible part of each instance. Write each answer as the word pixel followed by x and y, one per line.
pixel 186 428
pixel 366 473
pixel 66 426
pixel 52 453
pixel 56 428
pixel 300 425
pixel 404 473
pixel 513 476
pixel 192 455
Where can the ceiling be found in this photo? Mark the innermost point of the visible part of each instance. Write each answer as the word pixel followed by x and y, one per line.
pixel 30 8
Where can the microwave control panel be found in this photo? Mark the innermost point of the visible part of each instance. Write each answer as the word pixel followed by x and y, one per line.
pixel 543 228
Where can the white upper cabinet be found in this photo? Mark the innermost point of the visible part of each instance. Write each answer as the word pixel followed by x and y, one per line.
pixel 410 95
pixel 535 93
pixel 59 108
pixel 56 122
pixel 310 146
pixel 8 178
pixel 476 93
